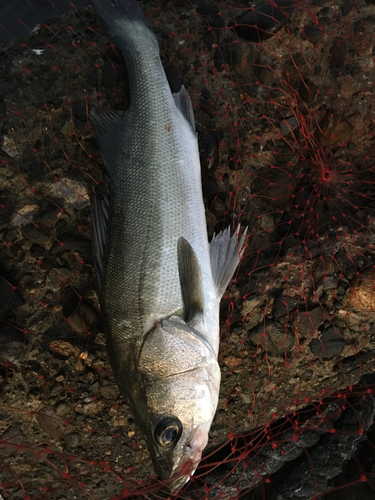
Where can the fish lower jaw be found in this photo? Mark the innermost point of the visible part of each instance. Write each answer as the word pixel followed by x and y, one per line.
pixel 184 474
pixel 176 484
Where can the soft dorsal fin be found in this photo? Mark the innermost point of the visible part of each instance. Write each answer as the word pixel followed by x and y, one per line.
pixel 182 101
pixel 106 125
pixel 190 280
pixel 100 206
pixel 225 254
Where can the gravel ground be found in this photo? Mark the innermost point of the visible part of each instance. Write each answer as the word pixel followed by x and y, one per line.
pixel 286 140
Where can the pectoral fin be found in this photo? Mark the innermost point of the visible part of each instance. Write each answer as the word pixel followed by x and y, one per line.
pixel 225 254
pixel 190 280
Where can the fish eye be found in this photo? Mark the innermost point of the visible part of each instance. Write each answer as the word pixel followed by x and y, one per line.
pixel 168 431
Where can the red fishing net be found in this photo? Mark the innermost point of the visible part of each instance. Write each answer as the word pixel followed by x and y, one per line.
pixel 283 95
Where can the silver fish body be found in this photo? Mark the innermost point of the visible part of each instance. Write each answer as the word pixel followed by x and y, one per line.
pixel 160 280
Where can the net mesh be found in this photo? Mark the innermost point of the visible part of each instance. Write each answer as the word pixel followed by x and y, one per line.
pixel 283 95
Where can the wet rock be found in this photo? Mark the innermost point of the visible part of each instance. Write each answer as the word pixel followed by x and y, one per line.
pixel 24 215
pixel 210 10
pixel 4 216
pixel 308 322
pixel 207 8
pixel 283 306
pixel 273 338
pixel 44 324
pixel 62 409
pixel 313 34
pixel 358 359
pixel 232 361
pixel 361 294
pixel 266 222
pixel 265 75
pixel 333 130
pixel 50 423
pixel 313 472
pixel 73 243
pixel 64 348
pixel 84 318
pixel 326 283
pixel 288 125
pixel 54 279
pixel 252 304
pixel 72 439
pixel 269 146
pixel 240 53
pixel 293 66
pixel 346 8
pixel 10 297
pixel 109 392
pixel 174 78
pixel 261 22
pixel 276 186
pixel 208 151
pixel 307 90
pixel 92 79
pixel 70 193
pixel 234 161
pixel 12 432
pixel 113 73
pixel 207 106
pixel 12 344
pixel 363 24
pixel 46 214
pixel 11 148
pixel 37 251
pixel 345 264
pixel 100 339
pixel 35 233
pixel 210 188
pixel 5 87
pixel 329 344
pixel 219 60
pixel 338 53
pixel 89 408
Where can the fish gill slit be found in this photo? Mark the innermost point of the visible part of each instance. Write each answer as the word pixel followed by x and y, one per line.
pixel 141 277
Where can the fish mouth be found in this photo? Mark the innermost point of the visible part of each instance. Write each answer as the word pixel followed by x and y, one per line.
pixel 183 474
pixel 176 484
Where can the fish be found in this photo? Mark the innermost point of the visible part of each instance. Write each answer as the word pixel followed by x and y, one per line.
pixel 159 279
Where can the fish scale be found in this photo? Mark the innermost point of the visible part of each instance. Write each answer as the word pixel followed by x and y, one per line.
pixel 160 281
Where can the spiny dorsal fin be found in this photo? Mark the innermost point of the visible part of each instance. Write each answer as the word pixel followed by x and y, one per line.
pixel 182 101
pixel 190 280
pixel 100 206
pixel 106 125
pixel 225 254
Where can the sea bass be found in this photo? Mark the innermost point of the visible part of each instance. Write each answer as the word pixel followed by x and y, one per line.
pixel 160 281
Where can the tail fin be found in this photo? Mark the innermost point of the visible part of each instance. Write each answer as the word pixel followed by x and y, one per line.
pixel 111 10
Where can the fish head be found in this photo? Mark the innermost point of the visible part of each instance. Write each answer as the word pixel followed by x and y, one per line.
pixel 178 429
pixel 180 381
